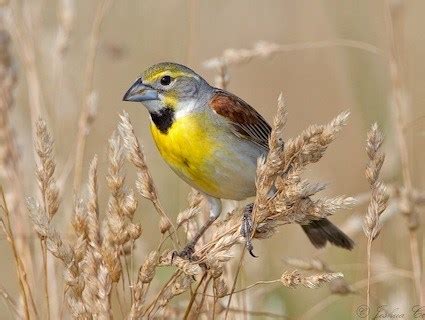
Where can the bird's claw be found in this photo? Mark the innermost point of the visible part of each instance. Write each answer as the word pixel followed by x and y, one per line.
pixel 246 229
pixel 186 253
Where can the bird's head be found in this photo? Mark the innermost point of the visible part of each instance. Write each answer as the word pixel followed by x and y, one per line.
pixel 168 85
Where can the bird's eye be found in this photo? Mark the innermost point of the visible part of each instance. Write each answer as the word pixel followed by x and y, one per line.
pixel 165 80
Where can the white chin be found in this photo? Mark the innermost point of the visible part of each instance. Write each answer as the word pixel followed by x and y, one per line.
pixel 153 106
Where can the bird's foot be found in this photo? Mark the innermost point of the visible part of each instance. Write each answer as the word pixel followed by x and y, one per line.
pixel 186 253
pixel 246 228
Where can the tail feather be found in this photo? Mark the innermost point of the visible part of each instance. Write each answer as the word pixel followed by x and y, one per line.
pixel 321 231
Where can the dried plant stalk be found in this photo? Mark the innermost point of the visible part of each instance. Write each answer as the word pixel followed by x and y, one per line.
pixel 145 277
pixel 66 18
pixel 144 183
pixel 337 286
pixel 379 198
pixel 119 229
pixel 43 145
pixel 394 19
pixel 22 34
pixel 264 50
pixel 20 267
pixel 98 282
pixel 88 109
pixel 294 279
pixel 45 170
pixel 44 229
pixel 11 172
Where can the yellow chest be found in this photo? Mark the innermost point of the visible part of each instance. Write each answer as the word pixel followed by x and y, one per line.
pixel 188 147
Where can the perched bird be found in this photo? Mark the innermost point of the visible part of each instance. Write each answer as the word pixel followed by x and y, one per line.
pixel 211 139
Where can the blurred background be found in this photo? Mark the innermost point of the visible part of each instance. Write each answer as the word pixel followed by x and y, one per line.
pixel 318 82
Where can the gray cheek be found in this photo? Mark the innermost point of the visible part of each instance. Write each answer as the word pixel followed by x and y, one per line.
pixel 187 89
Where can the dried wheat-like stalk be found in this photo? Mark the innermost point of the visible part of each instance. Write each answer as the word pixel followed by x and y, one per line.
pixel 73 275
pixel 96 294
pixel 45 170
pixel 282 169
pixel 9 154
pixel 11 172
pixel 180 285
pixel 336 286
pixel 145 277
pixel 45 230
pixel 66 17
pixel 295 279
pixel 119 229
pixel 20 267
pixel 88 109
pixel 265 50
pixel 186 218
pixel 194 198
pixel 379 198
pixel 23 36
pixel 43 145
pixel 60 250
pixel 394 19
pixel 144 183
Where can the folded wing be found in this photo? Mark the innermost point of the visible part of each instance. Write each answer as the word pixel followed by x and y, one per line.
pixel 245 121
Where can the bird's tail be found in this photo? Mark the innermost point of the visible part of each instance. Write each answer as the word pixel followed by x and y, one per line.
pixel 321 231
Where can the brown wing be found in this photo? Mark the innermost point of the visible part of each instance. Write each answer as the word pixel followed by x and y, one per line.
pixel 247 123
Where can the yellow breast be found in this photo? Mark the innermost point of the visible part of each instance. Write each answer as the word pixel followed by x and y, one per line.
pixel 188 147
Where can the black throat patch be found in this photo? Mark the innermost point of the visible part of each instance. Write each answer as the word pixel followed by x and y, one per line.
pixel 163 119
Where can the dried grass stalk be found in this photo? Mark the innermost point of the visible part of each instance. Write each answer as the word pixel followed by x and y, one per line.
pixel 98 282
pixel 145 276
pixel 89 107
pixel 282 169
pixel 264 50
pixel 144 183
pixel 379 199
pixel 11 172
pixel 395 24
pixel 336 286
pixel 43 145
pixel 295 279
pixel 6 226
pixel 43 228
pixel 45 170
pixel 119 230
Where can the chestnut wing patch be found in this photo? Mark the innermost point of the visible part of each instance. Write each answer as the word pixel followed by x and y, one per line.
pixel 246 121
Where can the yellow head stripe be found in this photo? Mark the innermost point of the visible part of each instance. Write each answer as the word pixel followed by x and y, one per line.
pixel 159 74
pixel 171 69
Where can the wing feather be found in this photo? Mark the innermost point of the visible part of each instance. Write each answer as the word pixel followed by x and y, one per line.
pixel 246 122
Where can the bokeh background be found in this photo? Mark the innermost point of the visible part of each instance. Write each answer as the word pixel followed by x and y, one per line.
pixel 317 83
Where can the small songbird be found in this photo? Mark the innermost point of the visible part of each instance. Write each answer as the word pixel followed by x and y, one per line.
pixel 211 139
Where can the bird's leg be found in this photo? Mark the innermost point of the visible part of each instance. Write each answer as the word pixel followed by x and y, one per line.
pixel 246 228
pixel 215 210
pixel 247 225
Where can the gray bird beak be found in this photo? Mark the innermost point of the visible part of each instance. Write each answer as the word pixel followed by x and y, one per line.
pixel 140 92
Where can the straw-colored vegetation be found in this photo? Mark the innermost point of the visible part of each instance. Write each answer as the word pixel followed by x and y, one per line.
pixel 75 253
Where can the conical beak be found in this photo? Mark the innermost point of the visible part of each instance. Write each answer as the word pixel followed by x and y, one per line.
pixel 140 92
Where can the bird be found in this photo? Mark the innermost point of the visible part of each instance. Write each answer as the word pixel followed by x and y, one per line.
pixel 211 139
